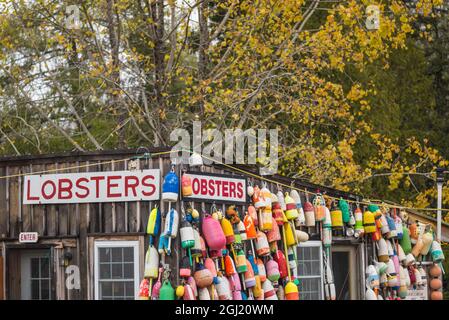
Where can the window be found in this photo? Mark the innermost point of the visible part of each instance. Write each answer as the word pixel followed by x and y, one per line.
pixel 310 270
pixel 116 270
pixel 36 275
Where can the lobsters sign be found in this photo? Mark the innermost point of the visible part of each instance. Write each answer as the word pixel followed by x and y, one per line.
pixel 86 187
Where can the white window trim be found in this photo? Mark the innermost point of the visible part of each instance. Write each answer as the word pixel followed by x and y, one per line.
pixel 315 244
pixel 116 244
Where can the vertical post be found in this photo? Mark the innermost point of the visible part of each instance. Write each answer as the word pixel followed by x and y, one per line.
pixel 440 180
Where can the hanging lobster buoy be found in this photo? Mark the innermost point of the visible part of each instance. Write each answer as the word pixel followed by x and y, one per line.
pixel 392 274
pixel 144 291
pixel 291 213
pixel 281 200
pixel 241 262
pixel 409 260
pixel 187 237
pixel 279 257
pixel 272 269
pixel 229 266
pixel 327 237
pixel 382 252
pixel 291 291
pixel 250 227
pixel 257 289
pixel 154 223
pixel 405 242
pixel 402 292
pixel 417 247
pixel 372 277
pixel 369 224
pixel 236 287
pixel 213 233
pixel 265 219
pixel 437 252
pixel 203 277
pixel 370 295
pixel 258 199
pixel 309 213
pixel 392 227
pixel 261 269
pixel 223 289
pixel 414 232
pixel 435 271
pixel 359 229
pixel 389 248
pixel 184 268
pixel 337 218
pixel 250 280
pixel 186 185
pixel 290 237
pixel 377 214
pixel 319 205
pixel 242 231
pixel 381 267
pixel 250 190
pixel 274 234
pixel 196 250
pixel 170 230
pixel 301 236
pixel 188 293
pixel 401 254
pixel 157 287
pixel 167 292
pixel 179 291
pixel 203 294
pixel 300 220
pixel 268 290
pixel 170 187
pixel 278 213
pixel 344 207
pixel 151 263
pixel 427 239
pixel 385 229
pixel 191 282
pixel 227 230
pixel 262 247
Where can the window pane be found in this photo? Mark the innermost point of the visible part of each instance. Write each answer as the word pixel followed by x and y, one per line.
pixel 128 254
pixel 34 267
pixel 129 289
pixel 45 268
pixel 104 254
pixel 35 289
pixel 118 289
pixel 128 271
pixel 105 289
pixel 117 255
pixel 117 271
pixel 45 290
pixel 105 271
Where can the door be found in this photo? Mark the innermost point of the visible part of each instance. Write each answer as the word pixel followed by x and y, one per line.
pixel 36 275
pixel 346 272
pixel 30 274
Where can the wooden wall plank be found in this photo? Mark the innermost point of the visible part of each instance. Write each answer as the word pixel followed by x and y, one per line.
pixel 2 280
pixel 107 207
pixel 27 218
pixel 133 212
pixel 82 247
pixel 120 222
pixel 63 209
pixel 4 214
pixel 52 216
pixel 38 211
pixel 94 208
pixel 74 208
pixel 14 205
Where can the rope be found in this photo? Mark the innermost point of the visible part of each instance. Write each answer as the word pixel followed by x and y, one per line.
pixel 247 173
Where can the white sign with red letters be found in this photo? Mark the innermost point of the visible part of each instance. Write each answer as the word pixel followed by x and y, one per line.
pixel 28 237
pixel 111 186
pixel 217 188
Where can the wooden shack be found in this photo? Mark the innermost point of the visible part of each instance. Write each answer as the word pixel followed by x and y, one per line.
pixel 106 242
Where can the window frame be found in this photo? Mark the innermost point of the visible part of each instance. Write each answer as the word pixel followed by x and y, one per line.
pixel 116 244
pixel 319 245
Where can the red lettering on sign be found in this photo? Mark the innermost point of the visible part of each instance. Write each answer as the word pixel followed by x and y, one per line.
pixel 239 190
pixel 211 187
pixel 65 189
pixel 151 186
pixel 132 186
pixel 203 187
pixel 97 184
pixel 225 189
pixel 111 185
pixel 195 185
pixel 232 189
pixel 218 184
pixel 52 194
pixel 29 197
pixel 83 187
